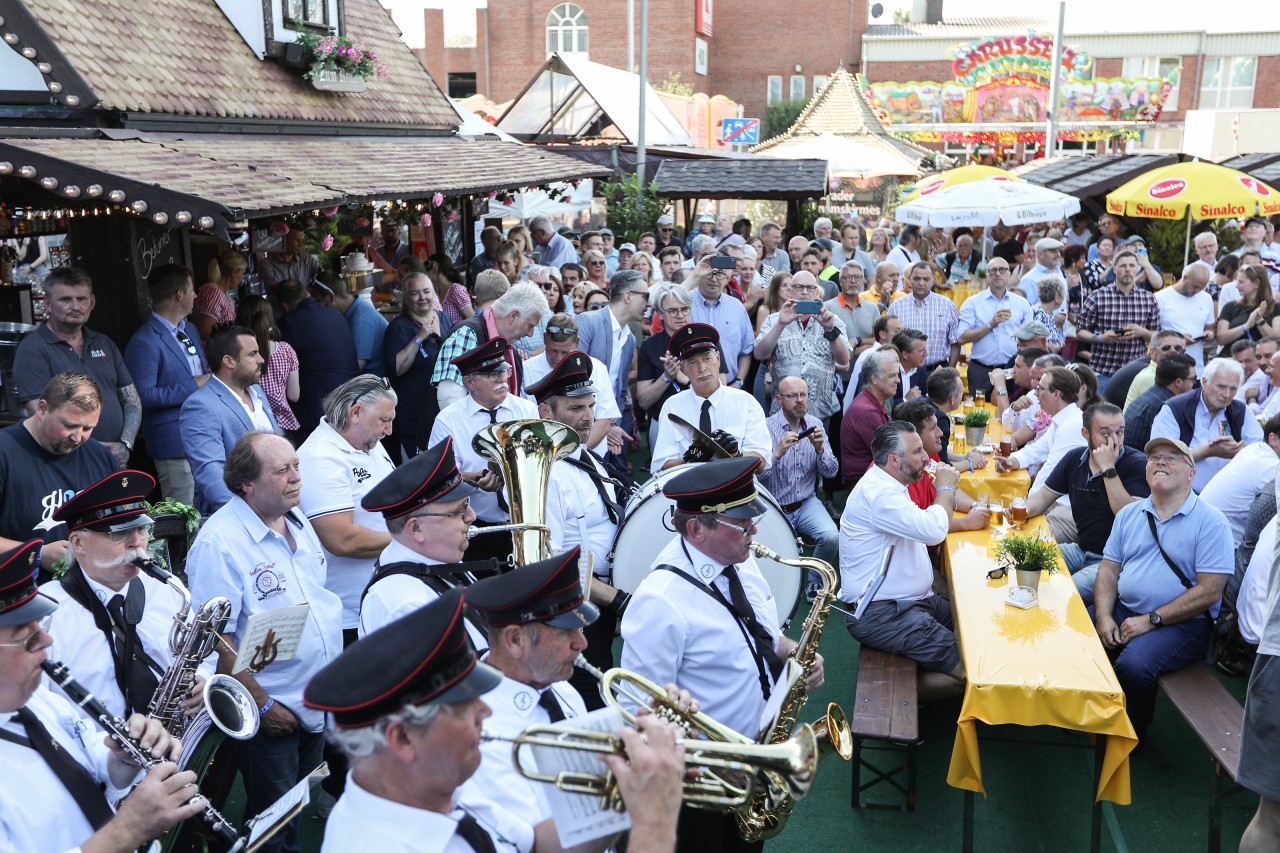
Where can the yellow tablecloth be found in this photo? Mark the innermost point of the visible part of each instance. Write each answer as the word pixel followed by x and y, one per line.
pixel 960 292
pixel 1043 666
pixel 989 482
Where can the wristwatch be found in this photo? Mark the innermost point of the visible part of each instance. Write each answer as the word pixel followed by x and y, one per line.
pixel 831 334
pixel 1156 619
pixel 1111 473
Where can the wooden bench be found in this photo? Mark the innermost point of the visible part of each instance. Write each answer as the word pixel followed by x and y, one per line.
pixel 1216 718
pixel 885 709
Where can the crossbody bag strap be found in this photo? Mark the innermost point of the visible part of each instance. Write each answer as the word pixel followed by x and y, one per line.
pixel 1173 567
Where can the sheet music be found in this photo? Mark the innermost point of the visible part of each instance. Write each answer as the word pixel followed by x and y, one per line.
pixel 272 635
pixel 272 819
pixel 579 817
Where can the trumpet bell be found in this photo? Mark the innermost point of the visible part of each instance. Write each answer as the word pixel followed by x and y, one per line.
pixel 834 733
pixel 231 707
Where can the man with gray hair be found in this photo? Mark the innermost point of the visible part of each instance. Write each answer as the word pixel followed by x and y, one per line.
pixel 513 315
pixel 556 250
pixel 340 463
pixel 905 616
pixel 822 228
pixel 703 244
pixel 867 412
pixel 606 336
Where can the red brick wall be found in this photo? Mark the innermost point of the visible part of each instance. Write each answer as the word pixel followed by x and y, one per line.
pixel 432 55
pixel 1266 87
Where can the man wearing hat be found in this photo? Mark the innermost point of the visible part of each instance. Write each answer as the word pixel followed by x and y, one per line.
pixel 705 619
pixel 1255 240
pixel 1048 262
pixel 1163 571
pixel 665 230
pixel 427 506
pixel 485 372
pixel 112 628
pixel 261 553
pixel 536 616
pixel 52 797
pixel 708 404
pixel 705 225
pixel 1033 333
pixel 585 504
pixel 404 704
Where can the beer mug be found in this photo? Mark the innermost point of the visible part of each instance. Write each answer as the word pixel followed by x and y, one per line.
pixel 996 505
pixel 980 397
pixel 968 404
pixel 1006 445
pixel 1018 510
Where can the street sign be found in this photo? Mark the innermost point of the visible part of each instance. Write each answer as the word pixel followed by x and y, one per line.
pixel 740 131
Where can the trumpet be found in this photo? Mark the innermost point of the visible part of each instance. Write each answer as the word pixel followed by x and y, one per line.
pixel 759 765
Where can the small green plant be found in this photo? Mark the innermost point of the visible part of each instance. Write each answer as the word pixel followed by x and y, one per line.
pixel 1027 554
pixel 977 418
pixel 169 506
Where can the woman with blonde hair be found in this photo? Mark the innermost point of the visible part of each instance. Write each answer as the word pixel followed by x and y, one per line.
pixel 508 260
pixel 593 261
pixel 280 371
pixel 524 242
pixel 879 244
pixel 213 304
pixel 579 297
pixel 647 264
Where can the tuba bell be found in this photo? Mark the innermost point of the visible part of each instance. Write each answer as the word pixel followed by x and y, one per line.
pixel 523 450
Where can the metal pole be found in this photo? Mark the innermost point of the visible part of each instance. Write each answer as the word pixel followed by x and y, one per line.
pixel 1051 125
pixel 644 86
pixel 631 35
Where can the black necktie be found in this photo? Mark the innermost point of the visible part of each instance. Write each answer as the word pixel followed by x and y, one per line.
pixel 137 682
pixel 79 784
pixel 469 831
pixel 549 703
pixel 599 477
pixel 493 415
pixel 704 419
pixel 742 607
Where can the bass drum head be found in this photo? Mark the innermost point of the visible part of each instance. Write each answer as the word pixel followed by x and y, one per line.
pixel 647 529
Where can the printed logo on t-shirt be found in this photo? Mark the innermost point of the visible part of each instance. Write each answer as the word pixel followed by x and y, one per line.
pixel 360 474
pixel 97 353
pixel 267 581
pixel 50 504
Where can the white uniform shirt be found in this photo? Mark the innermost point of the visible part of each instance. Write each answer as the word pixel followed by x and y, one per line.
pixel 880 514
pixel 734 411
pixel 237 555
pixel 1233 489
pixel 462 419
pixel 37 814
pixel 1188 315
pixel 1016 420
pixel 335 476
pixel 537 368
pixel 515 708
pixel 1252 601
pixel 1062 436
pixel 1204 428
pixel 79 644
pixel 398 595
pixel 364 823
pixel 574 505
pixel 673 633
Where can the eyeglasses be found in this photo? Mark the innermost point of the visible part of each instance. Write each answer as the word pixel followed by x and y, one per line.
pixel 186 342
pixel 852 277
pixel 743 530
pixel 595 263
pixel 996 269
pixel 1174 347
pixel 668 228
pixel 495 371
pixel 562 330
pixel 457 513
pixel 1163 459
pixel 31 642
pixel 678 310
pixel 121 536
pixel 803 288
pixel 799 395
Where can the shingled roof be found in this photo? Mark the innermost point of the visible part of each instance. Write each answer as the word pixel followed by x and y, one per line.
pixel 760 178
pixel 185 57
pixel 838 108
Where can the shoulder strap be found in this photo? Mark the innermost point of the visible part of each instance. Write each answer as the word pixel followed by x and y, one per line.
pixel 1173 567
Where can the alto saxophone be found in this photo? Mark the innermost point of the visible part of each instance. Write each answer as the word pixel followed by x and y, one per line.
pixel 228 703
pixel 767 813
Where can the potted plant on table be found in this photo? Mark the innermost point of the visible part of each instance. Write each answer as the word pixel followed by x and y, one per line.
pixel 1027 557
pixel 975 426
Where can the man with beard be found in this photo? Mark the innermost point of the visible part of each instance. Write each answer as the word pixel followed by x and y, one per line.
pixel 1118 320
pixel 905 617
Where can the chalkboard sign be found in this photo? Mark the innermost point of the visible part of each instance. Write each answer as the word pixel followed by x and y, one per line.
pixel 453 239
pixel 266 240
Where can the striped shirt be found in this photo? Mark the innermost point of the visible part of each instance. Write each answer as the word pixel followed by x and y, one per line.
pixel 794 477
pixel 936 316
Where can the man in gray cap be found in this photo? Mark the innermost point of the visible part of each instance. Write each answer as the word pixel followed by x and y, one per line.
pixel 1033 333
pixel 1048 262
pixel 665 229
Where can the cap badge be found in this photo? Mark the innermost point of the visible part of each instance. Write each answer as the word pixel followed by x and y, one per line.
pixel 124 482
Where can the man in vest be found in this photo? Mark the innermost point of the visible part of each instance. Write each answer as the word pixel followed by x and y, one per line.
pixel 1210 421
pixel 513 315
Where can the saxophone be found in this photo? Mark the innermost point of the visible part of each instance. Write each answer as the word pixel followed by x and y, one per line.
pixel 769 808
pixel 227 702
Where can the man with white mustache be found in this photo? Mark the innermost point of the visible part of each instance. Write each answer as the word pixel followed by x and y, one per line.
pixel 112 628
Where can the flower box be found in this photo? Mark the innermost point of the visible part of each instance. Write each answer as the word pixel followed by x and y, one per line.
pixel 335 80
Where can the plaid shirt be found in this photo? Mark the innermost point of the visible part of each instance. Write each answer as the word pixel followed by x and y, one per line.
pixel 282 362
pixel 937 317
pixel 215 302
pixel 461 339
pixel 1107 309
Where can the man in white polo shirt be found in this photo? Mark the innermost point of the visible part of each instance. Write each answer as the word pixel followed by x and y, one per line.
pixel 341 461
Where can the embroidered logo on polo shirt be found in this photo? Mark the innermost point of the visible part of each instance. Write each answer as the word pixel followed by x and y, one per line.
pixel 360 474
pixel 267 582
pixel 523 700
pixel 97 353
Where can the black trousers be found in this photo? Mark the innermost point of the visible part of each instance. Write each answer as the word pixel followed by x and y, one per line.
pixel 703 831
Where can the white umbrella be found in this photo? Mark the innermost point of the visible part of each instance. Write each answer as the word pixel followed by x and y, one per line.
pixel 984 203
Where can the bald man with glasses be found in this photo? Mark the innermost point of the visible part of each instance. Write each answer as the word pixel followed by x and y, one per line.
pixel 989 321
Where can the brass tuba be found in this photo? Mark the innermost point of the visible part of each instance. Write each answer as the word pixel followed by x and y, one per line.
pixel 523 450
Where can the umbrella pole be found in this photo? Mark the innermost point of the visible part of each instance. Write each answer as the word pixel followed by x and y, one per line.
pixel 1186 249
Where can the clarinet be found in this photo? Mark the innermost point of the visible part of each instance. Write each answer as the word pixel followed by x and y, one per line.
pixel 119 732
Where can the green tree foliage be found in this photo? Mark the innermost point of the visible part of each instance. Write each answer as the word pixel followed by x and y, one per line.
pixel 779 117
pixel 631 208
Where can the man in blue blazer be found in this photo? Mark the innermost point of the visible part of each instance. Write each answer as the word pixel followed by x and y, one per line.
pixel 167 364
pixel 225 408
pixel 603 334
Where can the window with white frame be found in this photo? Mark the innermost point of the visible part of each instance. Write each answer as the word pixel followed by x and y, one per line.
pixel 819 80
pixel 797 87
pixel 1159 67
pixel 774 95
pixel 1228 82
pixel 567 29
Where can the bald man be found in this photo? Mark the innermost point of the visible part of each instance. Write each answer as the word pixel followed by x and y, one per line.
pixel 1187 308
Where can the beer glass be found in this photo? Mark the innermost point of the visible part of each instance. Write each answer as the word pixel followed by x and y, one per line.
pixel 980 397
pixel 1018 511
pixel 1006 445
pixel 996 505
pixel 968 404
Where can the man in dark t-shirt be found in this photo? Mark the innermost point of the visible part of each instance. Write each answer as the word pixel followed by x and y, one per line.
pixel 1098 480
pixel 326 349
pixel 46 459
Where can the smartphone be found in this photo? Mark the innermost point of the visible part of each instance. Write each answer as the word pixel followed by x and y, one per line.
pixel 723 262
pixel 806 433
pixel 808 306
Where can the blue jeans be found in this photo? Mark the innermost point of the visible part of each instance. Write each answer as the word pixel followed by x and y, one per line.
pixel 273 765
pixel 812 521
pixel 1152 654
pixel 1103 379
pixel 1083 566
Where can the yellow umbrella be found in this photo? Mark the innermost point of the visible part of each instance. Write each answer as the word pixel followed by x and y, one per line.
pixel 952 177
pixel 1210 191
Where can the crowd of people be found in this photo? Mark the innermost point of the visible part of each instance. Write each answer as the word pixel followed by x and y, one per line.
pixel 330 451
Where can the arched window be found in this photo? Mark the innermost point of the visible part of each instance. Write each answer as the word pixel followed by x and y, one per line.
pixel 567 29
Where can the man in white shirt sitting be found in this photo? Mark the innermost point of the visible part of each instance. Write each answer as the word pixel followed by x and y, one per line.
pixel 905 617
pixel 1233 489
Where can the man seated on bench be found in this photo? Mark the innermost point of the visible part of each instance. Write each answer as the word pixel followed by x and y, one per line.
pixel 1163 569
pixel 1258 770
pixel 905 616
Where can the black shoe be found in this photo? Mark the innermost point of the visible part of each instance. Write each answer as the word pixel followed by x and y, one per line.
pixel 831 509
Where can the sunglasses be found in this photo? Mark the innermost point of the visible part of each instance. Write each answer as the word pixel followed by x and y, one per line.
pixel 186 342
pixel 597 306
pixel 1175 347
pixel 996 574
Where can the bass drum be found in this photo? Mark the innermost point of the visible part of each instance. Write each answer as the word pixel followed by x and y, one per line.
pixel 647 529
